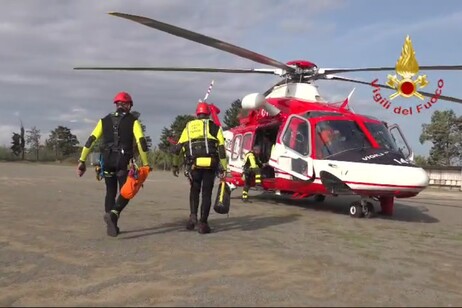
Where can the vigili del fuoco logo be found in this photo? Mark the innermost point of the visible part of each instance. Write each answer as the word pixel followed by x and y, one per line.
pixel 405 85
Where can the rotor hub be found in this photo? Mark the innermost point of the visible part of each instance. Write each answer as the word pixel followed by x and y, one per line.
pixel 303 69
pixel 302 64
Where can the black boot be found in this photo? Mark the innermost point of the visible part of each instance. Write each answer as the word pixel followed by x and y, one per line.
pixel 204 228
pixel 191 222
pixel 111 221
pixel 108 213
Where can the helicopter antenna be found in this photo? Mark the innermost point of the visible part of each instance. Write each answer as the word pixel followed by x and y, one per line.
pixel 208 92
pixel 214 109
pixel 347 101
pixel 349 97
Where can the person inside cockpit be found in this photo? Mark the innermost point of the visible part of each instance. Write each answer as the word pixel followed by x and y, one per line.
pixel 327 142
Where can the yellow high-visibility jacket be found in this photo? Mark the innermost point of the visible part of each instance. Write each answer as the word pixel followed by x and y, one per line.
pixel 251 161
pixel 201 138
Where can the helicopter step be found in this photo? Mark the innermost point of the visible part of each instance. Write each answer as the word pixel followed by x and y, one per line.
pixel 362 209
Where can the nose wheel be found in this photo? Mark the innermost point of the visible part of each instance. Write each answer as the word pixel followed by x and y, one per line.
pixel 362 209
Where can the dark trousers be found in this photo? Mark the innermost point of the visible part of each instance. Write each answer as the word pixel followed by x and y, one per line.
pixel 114 183
pixel 201 179
pixel 249 176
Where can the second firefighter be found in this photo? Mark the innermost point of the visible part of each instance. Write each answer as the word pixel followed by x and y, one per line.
pixel 202 145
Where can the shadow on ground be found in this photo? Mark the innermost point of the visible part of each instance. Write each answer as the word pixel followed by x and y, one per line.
pixel 242 223
pixel 340 205
pixel 436 202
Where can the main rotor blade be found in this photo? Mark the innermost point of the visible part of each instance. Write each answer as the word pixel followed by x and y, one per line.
pixel 206 40
pixel 377 69
pixel 181 69
pixel 443 97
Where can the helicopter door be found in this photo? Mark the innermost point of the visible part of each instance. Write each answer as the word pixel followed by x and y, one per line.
pixel 292 155
pixel 401 142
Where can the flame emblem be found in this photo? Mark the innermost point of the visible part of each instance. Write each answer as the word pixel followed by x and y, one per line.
pixel 407 67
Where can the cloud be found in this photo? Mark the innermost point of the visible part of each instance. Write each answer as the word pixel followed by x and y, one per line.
pixel 40 50
pixel 41 46
pixel 72 118
pixel 381 31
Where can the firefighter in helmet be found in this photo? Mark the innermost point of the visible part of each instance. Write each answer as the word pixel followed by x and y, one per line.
pixel 203 146
pixel 327 141
pixel 252 170
pixel 119 131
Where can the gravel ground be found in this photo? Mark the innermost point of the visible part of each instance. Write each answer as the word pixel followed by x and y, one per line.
pixel 271 252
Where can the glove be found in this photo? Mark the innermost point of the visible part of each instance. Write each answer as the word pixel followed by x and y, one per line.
pixel 81 168
pixel 176 171
pixel 221 173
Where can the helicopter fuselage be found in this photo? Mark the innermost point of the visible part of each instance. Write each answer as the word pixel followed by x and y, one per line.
pixel 316 148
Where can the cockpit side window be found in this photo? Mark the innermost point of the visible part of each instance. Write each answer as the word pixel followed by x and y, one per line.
pixel 382 135
pixel 338 136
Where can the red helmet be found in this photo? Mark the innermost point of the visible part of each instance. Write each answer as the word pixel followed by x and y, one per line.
pixel 202 108
pixel 123 97
pixel 327 135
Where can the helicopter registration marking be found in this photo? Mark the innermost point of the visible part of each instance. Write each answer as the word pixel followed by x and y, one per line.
pixel 263 113
pixel 401 161
pixel 372 156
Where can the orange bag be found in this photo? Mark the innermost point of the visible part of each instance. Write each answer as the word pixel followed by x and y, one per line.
pixel 133 185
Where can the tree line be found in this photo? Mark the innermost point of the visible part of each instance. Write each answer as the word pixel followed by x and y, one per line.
pixel 444 132
pixel 25 144
pixel 60 145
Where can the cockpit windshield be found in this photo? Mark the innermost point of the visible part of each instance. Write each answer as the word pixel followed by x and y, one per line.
pixel 382 136
pixel 337 136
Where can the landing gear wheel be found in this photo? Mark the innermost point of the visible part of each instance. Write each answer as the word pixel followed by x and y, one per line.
pixel 356 210
pixel 368 210
pixel 361 209
pixel 319 198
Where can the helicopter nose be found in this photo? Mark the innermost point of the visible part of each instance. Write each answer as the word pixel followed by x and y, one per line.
pixel 390 179
pixel 414 177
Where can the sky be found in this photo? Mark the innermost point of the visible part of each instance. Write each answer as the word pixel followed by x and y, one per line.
pixel 41 42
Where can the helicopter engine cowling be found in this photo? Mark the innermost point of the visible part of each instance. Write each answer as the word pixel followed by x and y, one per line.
pixel 255 101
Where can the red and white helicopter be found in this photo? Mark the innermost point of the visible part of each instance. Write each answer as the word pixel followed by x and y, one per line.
pixel 311 147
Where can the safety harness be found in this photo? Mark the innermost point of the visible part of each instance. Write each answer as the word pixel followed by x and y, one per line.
pixel 204 159
pixel 114 147
pixel 206 125
pixel 189 159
